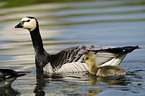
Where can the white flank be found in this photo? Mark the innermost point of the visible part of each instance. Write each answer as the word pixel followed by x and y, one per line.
pixel 73 67
pixel 48 68
pixel 68 67
pixel 118 60
pixel 108 63
pixel 114 61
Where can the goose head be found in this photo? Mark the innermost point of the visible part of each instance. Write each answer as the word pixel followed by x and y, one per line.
pixel 90 59
pixel 29 23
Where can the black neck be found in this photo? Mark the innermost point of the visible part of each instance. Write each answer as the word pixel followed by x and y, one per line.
pixel 37 40
pixel 41 56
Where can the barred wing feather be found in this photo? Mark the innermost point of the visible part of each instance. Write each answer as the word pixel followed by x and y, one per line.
pixel 71 59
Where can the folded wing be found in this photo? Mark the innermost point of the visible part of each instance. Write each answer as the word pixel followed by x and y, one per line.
pixel 105 56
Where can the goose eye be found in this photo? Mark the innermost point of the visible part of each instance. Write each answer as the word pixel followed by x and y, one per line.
pixel 28 21
pixel 86 58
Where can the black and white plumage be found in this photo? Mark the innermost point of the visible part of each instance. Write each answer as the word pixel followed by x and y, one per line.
pixel 71 59
pixel 7 76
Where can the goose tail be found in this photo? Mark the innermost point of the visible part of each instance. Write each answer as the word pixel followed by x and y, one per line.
pixel 129 49
pixel 121 50
pixel 120 54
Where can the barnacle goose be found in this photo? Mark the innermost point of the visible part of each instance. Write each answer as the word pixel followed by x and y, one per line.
pixel 7 76
pixel 71 59
pixel 102 71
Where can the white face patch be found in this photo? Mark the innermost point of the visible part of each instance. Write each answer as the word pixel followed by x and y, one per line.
pixel 29 23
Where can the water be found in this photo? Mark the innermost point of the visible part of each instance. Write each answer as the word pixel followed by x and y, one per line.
pixel 63 25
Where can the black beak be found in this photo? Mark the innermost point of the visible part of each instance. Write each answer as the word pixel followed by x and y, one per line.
pixel 20 25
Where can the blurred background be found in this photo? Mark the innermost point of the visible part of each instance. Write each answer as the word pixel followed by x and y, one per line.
pixel 68 23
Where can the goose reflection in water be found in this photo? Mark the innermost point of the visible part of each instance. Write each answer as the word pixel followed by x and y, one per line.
pixel 71 80
pixel 112 80
pixel 93 80
pixel 40 85
pixel 43 81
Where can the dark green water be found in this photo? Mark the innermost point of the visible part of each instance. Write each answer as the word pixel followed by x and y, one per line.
pixel 66 24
